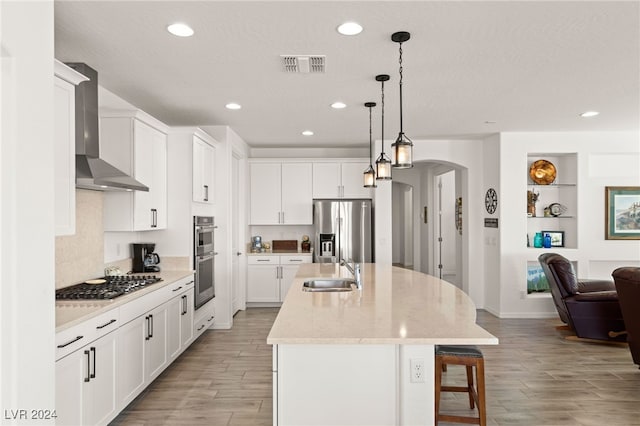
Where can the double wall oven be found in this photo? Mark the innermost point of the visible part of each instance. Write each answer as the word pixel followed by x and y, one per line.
pixel 204 259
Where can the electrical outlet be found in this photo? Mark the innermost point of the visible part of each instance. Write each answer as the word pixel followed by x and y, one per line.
pixel 417 370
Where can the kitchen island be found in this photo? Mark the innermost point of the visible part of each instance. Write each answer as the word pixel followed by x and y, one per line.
pixel 365 357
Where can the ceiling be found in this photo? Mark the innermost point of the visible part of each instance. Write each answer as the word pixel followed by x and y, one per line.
pixel 470 68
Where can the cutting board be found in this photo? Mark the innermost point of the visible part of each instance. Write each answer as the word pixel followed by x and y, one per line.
pixel 284 245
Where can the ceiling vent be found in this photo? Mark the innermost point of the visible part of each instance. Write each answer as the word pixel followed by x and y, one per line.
pixel 303 63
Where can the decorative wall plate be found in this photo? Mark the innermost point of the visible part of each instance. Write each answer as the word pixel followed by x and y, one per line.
pixel 542 172
pixel 491 201
pixel 557 209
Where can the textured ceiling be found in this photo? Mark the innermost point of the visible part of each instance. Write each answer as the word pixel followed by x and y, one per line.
pixel 528 66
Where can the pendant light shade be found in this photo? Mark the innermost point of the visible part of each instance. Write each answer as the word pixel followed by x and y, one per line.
pixel 383 163
pixel 402 147
pixel 370 173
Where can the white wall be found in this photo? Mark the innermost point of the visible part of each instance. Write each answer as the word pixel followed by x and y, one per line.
pixel 491 240
pixel 462 155
pixel 229 142
pixel 604 159
pixel 27 283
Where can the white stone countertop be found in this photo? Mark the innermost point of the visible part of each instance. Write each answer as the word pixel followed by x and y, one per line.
pixel 73 312
pixel 395 306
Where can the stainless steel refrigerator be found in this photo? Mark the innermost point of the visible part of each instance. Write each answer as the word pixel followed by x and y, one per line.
pixel 343 230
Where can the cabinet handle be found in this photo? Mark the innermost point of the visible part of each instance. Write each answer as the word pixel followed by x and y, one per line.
pixel 238 254
pixel 176 289
pixel 93 375
pixel 148 327
pixel 206 192
pixel 155 218
pixel 184 305
pixel 70 342
pixel 295 260
pixel 86 379
pixel 210 318
pixel 106 324
pixel 200 328
pixel 263 260
pixel 151 334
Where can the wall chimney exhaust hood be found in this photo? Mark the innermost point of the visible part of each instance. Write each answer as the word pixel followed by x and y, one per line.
pixel 92 172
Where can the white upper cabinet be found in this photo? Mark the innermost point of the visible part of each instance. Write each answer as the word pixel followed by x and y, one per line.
pixel 65 83
pixel 136 144
pixel 339 180
pixel 353 181
pixel 265 193
pixel 281 194
pixel 326 180
pixel 203 175
pixel 297 201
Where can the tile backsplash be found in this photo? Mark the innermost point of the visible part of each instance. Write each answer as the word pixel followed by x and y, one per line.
pixel 81 256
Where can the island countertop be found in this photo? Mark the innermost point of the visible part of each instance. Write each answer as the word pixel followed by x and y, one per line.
pixel 395 306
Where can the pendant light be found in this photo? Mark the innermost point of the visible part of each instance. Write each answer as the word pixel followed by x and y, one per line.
pixel 402 147
pixel 370 173
pixel 383 163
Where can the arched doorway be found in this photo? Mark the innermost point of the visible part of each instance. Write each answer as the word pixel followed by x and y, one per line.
pixel 439 239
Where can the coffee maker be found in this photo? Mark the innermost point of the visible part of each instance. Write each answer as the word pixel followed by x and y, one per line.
pixel 144 259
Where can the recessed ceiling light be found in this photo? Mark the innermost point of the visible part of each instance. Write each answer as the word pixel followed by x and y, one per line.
pixel 180 30
pixel 589 114
pixel 307 133
pixel 338 105
pixel 350 28
pixel 233 105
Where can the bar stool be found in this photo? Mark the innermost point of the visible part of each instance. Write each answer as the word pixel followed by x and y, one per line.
pixel 469 356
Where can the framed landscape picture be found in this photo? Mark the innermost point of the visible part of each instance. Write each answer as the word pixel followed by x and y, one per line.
pixel 557 238
pixel 622 212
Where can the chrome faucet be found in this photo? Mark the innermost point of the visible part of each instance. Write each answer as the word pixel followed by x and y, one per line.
pixel 355 271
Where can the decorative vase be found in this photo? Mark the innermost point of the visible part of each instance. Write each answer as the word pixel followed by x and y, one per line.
pixel 547 241
pixel 537 240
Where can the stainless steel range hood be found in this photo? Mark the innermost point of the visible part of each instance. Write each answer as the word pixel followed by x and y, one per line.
pixel 92 172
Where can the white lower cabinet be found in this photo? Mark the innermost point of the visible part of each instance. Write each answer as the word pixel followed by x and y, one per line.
pixel 156 341
pixel 86 384
pixel 180 323
pixel 270 277
pixel 105 362
pixel 131 360
pixel 203 318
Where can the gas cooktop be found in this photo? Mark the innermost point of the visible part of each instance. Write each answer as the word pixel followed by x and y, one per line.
pixel 107 288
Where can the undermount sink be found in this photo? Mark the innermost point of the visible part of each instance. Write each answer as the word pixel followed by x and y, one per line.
pixel 328 284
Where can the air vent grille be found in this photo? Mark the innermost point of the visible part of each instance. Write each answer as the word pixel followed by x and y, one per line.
pixel 303 63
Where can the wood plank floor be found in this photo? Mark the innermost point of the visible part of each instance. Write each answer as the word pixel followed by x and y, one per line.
pixel 534 377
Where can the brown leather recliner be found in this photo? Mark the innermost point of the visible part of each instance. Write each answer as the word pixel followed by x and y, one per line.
pixel 589 307
pixel 627 282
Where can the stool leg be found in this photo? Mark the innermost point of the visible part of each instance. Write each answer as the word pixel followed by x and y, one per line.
pixel 470 386
pixel 482 408
pixel 438 385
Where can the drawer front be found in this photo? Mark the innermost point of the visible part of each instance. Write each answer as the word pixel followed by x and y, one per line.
pixel 76 337
pixel 178 287
pixel 295 259
pixel 263 260
pixel 73 338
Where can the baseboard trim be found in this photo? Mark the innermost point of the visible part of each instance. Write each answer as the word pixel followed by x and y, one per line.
pixel 521 315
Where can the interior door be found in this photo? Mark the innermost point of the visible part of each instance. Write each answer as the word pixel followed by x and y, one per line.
pixel 445 252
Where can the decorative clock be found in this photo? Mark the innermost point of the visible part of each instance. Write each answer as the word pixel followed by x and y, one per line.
pixel 491 201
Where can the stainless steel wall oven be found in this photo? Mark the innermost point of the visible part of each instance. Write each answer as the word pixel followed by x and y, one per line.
pixel 204 259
